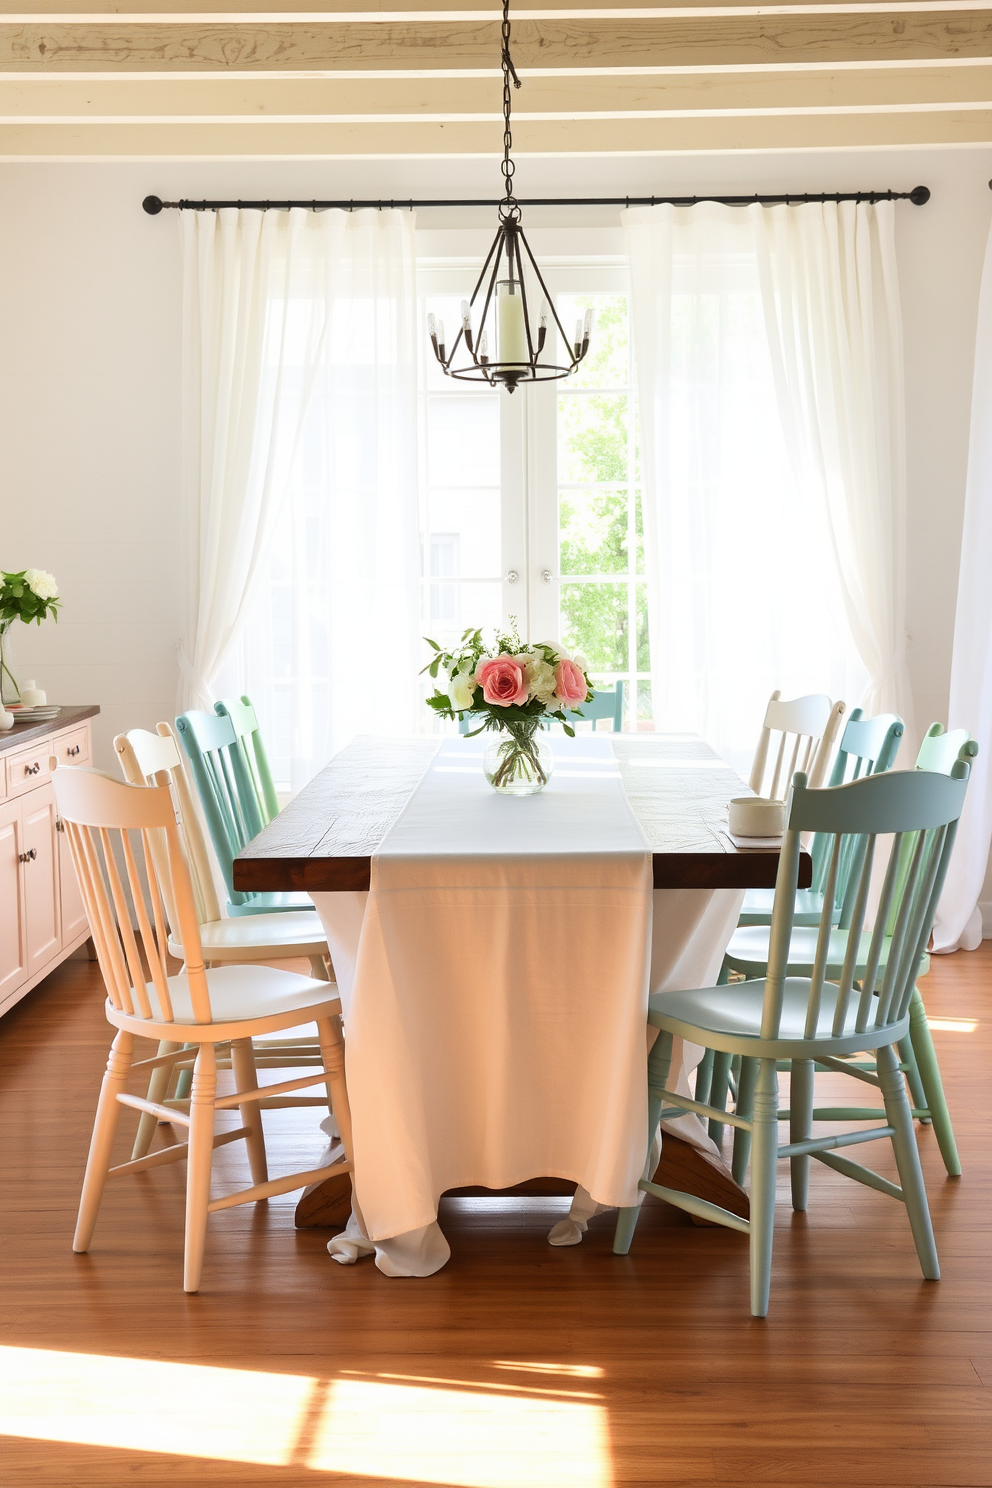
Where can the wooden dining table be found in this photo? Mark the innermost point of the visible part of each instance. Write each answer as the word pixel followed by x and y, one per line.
pixel 678 788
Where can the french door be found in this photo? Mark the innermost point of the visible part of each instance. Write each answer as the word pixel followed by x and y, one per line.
pixel 530 504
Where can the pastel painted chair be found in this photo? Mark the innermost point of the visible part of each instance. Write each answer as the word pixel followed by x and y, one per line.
pixel 127 853
pixel 231 807
pixel 798 734
pixel 750 948
pixel 606 704
pixel 810 1021
pixel 241 712
pixel 146 759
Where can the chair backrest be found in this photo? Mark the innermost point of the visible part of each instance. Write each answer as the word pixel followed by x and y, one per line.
pixel 105 820
pixel 224 786
pixel 942 747
pixel 868 746
pixel 143 757
pixel 920 812
pixel 808 727
pixel 241 712
pixel 607 702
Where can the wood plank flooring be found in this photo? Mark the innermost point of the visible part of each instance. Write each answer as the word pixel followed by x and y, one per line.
pixel 517 1364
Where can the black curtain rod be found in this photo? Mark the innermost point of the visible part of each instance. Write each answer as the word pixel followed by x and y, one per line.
pixel 920 194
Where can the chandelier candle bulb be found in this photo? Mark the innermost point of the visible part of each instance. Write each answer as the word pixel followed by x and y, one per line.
pixel 511 331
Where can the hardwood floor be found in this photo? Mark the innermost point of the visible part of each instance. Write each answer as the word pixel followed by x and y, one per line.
pixel 517 1364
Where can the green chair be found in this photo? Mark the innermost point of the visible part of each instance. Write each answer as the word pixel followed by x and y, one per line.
pixel 606 703
pixel 242 715
pixel 749 951
pixel 868 746
pixel 811 1021
pixel 234 815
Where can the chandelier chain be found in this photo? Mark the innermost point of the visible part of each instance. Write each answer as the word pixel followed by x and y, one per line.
pixel 509 72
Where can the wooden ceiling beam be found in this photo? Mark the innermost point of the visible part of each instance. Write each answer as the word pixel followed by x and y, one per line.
pixel 306 45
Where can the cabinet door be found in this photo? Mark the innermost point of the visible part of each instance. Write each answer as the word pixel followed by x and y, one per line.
pixel 41 877
pixel 74 921
pixel 13 941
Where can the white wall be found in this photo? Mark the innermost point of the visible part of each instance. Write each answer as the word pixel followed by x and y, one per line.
pixel 90 292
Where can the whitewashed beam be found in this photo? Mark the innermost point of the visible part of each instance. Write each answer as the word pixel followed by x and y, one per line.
pixel 305 45
pixel 265 140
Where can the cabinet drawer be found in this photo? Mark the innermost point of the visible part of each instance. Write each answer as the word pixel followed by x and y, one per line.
pixel 72 749
pixel 29 767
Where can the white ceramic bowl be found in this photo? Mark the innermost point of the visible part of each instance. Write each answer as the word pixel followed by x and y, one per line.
pixel 756 816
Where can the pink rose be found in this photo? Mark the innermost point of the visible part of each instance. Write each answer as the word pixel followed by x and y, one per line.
pixel 570 684
pixel 503 681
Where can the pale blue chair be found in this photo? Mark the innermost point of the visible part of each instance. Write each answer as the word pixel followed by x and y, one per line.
pixel 231 806
pixel 607 703
pixel 810 1021
pixel 248 734
pixel 748 955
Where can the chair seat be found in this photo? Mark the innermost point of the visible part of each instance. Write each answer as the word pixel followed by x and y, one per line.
pixel 277 901
pixel 261 997
pixel 758 904
pixel 261 937
pixel 728 1018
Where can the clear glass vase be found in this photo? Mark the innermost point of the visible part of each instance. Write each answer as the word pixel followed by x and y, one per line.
pixel 9 690
pixel 518 761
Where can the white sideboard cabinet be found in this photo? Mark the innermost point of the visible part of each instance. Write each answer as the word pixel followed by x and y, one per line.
pixel 42 919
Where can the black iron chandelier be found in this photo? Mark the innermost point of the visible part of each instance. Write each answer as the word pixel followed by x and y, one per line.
pixel 506 313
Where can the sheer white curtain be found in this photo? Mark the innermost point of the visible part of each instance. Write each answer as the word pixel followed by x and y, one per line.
pixel 830 292
pixel 959 921
pixel 323 631
pixel 743 590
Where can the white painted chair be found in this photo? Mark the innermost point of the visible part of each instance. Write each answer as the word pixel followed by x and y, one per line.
pixel 253 938
pixel 808 728
pixel 209 1010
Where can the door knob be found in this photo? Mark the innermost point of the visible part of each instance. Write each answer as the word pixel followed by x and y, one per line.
pixel 512 576
pixel 547 576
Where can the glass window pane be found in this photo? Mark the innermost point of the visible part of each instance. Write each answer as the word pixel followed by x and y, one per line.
pixel 606 361
pixel 594 621
pixel 592 437
pixel 463 534
pixel 592 528
pixel 643 639
pixel 463 439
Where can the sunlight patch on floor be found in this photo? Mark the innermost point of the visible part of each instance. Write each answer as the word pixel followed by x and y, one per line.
pixel 953 1025
pixel 468 1436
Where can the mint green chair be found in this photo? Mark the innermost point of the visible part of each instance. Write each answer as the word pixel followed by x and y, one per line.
pixel 606 703
pixel 234 815
pixel 868 746
pixel 812 1021
pixel 248 734
pixel 749 950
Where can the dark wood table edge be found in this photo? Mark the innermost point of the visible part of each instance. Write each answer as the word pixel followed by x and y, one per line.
pixel 754 869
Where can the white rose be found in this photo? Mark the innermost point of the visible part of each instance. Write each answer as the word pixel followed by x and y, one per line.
pixel 461 690
pixel 41 583
pixel 540 680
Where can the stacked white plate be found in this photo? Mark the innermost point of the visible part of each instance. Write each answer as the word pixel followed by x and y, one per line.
pixel 35 715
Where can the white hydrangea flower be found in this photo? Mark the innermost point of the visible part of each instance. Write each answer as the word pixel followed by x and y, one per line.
pixel 540 676
pixel 41 583
pixel 461 690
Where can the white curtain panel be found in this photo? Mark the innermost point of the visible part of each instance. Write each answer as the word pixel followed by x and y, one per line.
pixel 301 399
pixel 831 297
pixel 744 594
pixel 959 920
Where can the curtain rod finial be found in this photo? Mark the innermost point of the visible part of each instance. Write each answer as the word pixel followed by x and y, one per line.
pixel 919 195
pixel 152 205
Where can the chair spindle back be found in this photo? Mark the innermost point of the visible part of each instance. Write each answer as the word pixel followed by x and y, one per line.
pixel 808 728
pixel 919 811
pixel 105 819
pixel 225 788
pixel 241 712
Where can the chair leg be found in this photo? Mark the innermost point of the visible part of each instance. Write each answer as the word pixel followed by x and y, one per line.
pixel 332 1053
pixel 933 1087
pixel 318 969
pixel 184 1084
pixel 746 1081
pixel 659 1068
pixel 764 1162
pixel 158 1088
pixel 917 1095
pixel 101 1142
pixel 900 1117
pixel 800 1127
pixel 201 1146
pixel 704 1077
pixel 718 1094
pixel 246 1078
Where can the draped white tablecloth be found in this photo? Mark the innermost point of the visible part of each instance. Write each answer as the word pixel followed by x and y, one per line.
pixel 494 983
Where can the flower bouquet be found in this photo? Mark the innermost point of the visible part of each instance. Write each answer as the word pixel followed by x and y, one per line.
pixel 513 689
pixel 29 595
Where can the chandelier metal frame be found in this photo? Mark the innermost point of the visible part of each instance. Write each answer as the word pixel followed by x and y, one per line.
pixel 506 254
